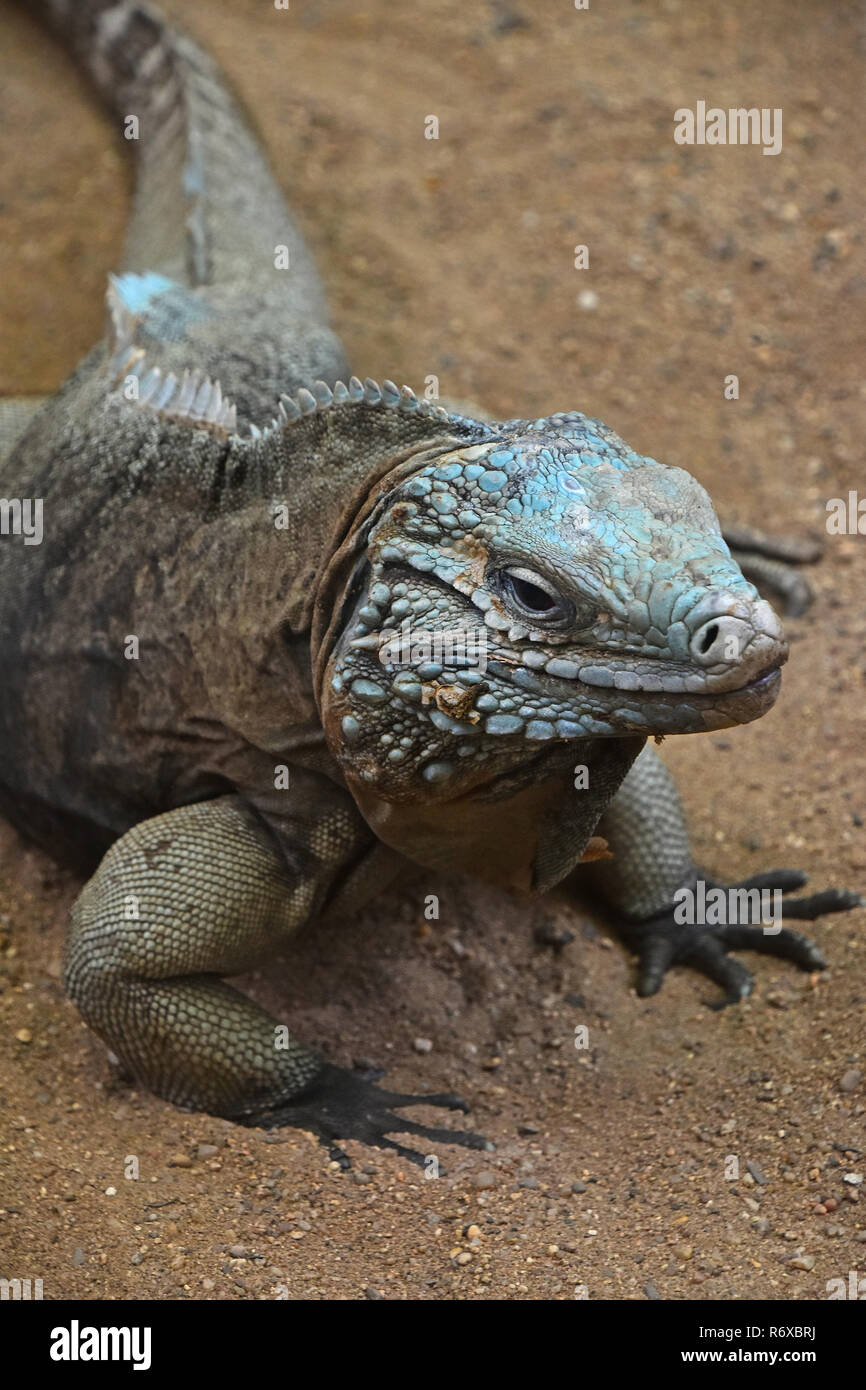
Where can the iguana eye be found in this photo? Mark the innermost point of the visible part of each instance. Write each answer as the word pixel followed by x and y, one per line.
pixel 532 596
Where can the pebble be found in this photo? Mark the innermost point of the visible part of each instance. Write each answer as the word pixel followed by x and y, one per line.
pixel 484 1179
pixel 24 1035
pixel 180 1161
pixel 78 1256
pixel 578 1187
pixel 137 1258
pixel 850 1080
pixel 422 1045
pixel 206 1151
pixel 854 1179
pixel 238 1252
pixel 806 1262
pixel 684 1252
pixel 651 1291
pixel 374 1294
pixel 758 1174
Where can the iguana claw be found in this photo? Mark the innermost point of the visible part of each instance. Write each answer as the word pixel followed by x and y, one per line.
pixel 341 1105
pixel 661 942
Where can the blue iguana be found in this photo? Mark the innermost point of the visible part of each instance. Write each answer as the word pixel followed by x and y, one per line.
pixel 206 696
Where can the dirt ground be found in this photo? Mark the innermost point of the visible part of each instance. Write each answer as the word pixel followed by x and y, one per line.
pixel 613 1165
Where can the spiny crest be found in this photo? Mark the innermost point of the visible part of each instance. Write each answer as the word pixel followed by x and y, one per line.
pixel 368 393
pixel 191 399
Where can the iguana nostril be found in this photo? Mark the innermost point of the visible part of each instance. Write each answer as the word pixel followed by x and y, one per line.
pixel 720 640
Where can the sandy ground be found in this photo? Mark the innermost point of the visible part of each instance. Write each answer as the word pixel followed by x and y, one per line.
pixel 612 1171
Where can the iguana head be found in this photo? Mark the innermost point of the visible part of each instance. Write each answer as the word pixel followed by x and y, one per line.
pixel 542 585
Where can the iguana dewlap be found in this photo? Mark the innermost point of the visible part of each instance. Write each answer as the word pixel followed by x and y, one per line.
pixel 201 692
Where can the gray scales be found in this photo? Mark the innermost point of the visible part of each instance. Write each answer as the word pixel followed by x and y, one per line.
pixel 219 489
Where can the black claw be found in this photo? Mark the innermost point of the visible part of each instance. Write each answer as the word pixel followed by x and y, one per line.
pixel 341 1105
pixel 786 879
pixel 831 900
pixel 655 959
pixel 787 945
pixel 445 1099
pixel 662 942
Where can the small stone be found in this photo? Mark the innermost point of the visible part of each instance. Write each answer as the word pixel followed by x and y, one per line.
pixel 853 1179
pixel 684 1252
pixel 464 1257
pixel 472 1232
pixel 137 1258
pixel 758 1174
pixel 78 1256
pixel 422 1045
pixel 111 1192
pixel 24 1035
pixel 850 1080
pixel 651 1291
pixel 806 1262
pixel 180 1161
pixel 578 1187
pixel 208 1284
pixel 830 1204
pixel 373 1294
pixel 528 1129
pixel 238 1252
pixel 484 1179
pixel 206 1151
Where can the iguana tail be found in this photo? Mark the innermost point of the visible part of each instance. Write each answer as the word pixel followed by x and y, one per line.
pixel 207 209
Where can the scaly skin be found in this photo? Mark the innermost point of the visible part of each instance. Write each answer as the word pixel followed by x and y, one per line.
pixel 200 679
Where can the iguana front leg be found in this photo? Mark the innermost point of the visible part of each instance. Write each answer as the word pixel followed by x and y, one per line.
pixel 646 830
pixel 194 894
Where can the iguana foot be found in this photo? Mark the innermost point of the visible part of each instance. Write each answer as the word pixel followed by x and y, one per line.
pixel 341 1105
pixel 661 942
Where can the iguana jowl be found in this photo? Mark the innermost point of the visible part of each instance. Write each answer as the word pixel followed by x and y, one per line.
pixel 221 507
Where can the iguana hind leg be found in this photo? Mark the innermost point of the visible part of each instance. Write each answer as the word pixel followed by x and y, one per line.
pixel 182 899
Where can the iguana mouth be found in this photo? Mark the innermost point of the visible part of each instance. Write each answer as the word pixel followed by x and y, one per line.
pixel 547 683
